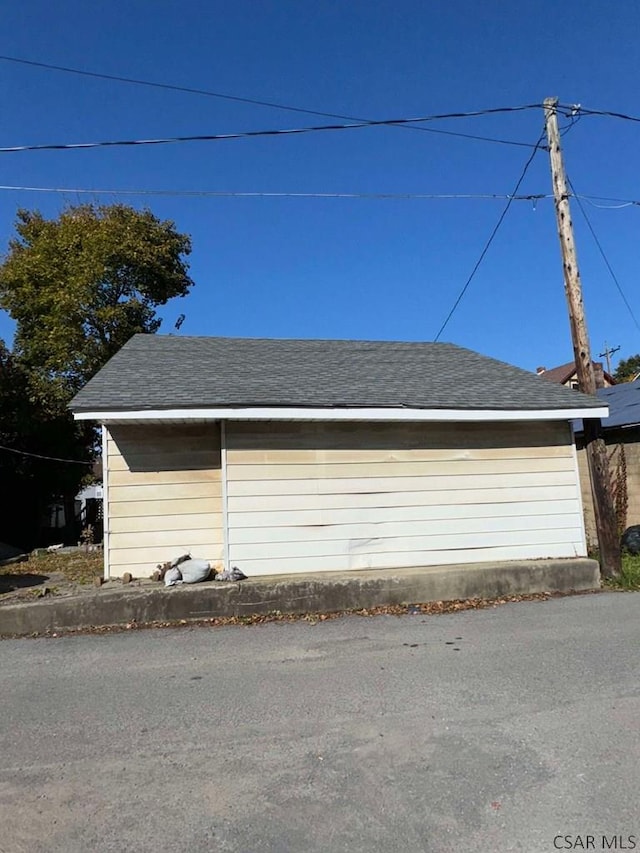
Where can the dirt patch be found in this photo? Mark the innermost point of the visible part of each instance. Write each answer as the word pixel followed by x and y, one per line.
pixel 49 574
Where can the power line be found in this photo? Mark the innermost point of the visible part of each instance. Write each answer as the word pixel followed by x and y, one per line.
pixel 616 203
pixel 317 195
pixel 170 86
pixel 215 137
pixel 602 252
pixel 40 456
pixel 536 147
pixel 580 110
pixel 244 100
pixel 573 121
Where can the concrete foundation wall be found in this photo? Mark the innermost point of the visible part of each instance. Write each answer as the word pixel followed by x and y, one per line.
pixel 314 593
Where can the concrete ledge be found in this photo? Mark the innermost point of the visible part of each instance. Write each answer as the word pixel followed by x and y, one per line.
pixel 322 592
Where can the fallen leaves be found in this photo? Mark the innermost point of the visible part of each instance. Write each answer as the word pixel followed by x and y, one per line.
pixel 79 566
pixel 430 608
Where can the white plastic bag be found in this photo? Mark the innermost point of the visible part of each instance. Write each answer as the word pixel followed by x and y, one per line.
pixel 194 571
pixel 172 576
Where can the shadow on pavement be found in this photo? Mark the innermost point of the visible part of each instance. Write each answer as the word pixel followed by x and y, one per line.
pixel 10 583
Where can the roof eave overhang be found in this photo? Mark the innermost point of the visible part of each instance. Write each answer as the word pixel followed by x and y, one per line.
pixel 271 413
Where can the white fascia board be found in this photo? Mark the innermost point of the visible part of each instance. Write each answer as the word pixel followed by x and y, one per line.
pixel 346 414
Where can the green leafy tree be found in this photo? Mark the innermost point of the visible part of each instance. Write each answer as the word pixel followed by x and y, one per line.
pixel 81 285
pixel 78 287
pixel 628 369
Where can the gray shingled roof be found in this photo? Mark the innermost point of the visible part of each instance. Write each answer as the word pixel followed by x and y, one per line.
pixel 161 372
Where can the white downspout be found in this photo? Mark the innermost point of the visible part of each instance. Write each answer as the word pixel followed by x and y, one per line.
pixel 105 502
pixel 225 496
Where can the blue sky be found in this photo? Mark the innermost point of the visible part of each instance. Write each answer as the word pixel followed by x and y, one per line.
pixel 357 268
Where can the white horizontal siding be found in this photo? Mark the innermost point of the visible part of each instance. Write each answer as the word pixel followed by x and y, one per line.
pixel 321 438
pixel 180 540
pixel 389 495
pixel 368 531
pixel 426 513
pixel 365 485
pixel 415 454
pixel 179 506
pixel 154 524
pixel 428 468
pixel 504 496
pixel 141 562
pixel 182 460
pixel 167 492
pixel 395 544
pixel 408 559
pixel 164 495
pixel 162 477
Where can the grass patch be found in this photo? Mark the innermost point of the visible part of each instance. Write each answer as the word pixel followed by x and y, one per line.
pixel 77 567
pixel 629 576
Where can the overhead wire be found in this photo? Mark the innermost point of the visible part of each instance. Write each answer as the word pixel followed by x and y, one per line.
pixel 259 194
pixel 487 245
pixel 573 112
pixel 240 99
pixel 603 254
pixel 190 90
pixel 580 110
pixel 618 206
pixel 41 456
pixel 616 203
pixel 215 137
pixel 573 121
pixel 570 110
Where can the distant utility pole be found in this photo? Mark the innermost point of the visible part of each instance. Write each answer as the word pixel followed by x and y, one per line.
pixel 606 522
pixel 608 352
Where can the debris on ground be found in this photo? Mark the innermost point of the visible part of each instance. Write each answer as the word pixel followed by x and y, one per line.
pixel 163 568
pixel 631 539
pixel 172 576
pixel 187 571
pixel 64 573
pixel 426 609
pixel 233 574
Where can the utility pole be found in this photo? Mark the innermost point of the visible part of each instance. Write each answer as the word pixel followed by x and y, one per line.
pixel 608 352
pixel 606 522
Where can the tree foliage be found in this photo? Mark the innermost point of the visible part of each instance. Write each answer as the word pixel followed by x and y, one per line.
pixel 78 287
pixel 29 483
pixel 81 285
pixel 628 369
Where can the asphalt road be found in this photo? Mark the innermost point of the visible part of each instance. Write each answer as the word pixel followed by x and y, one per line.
pixel 496 730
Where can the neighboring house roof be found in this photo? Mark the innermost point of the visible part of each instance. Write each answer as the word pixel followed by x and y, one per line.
pixel 624 406
pixel 564 372
pixel 155 372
